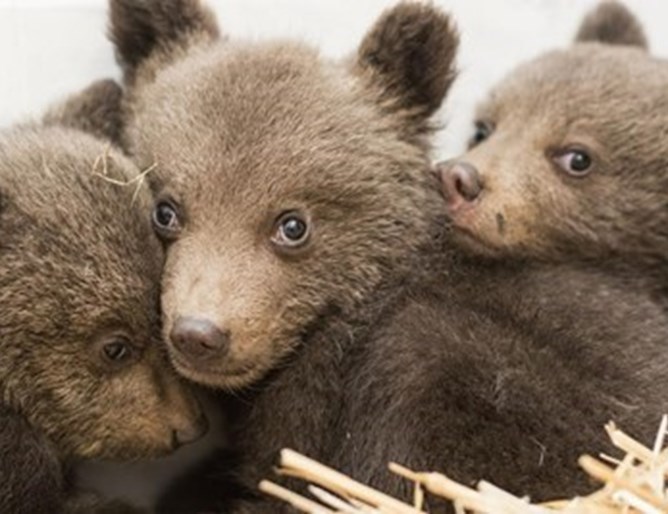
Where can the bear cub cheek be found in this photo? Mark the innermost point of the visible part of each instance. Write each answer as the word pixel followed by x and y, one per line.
pixel 162 412
pixel 136 385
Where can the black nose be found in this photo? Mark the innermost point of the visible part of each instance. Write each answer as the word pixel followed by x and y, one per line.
pixel 461 182
pixel 199 338
pixel 192 432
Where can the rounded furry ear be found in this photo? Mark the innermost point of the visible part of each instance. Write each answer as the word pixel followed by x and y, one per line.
pixel 138 27
pixel 95 110
pixel 612 23
pixel 408 57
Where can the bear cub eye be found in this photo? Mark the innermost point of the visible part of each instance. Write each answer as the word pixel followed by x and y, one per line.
pixel 291 230
pixel 166 220
pixel 483 130
pixel 575 162
pixel 117 350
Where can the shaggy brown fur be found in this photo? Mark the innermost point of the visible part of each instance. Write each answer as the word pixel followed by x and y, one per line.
pixel 530 206
pixel 349 346
pixel 31 472
pixel 80 271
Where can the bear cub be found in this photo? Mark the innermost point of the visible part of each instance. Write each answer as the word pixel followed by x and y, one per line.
pixel 304 233
pixel 569 159
pixel 82 373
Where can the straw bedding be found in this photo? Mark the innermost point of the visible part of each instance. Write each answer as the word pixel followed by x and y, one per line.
pixel 634 483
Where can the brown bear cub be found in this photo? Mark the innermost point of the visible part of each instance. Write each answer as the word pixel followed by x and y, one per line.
pixel 82 374
pixel 304 232
pixel 569 160
pixel 234 125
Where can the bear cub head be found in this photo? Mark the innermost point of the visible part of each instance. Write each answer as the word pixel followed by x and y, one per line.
pixel 80 351
pixel 289 187
pixel 569 159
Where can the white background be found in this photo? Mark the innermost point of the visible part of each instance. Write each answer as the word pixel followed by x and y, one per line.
pixel 51 47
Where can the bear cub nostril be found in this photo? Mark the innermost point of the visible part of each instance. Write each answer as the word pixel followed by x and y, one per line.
pixel 199 338
pixel 461 182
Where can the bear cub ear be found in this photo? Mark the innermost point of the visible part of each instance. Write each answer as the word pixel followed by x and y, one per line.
pixel 612 23
pixel 95 110
pixel 137 27
pixel 408 57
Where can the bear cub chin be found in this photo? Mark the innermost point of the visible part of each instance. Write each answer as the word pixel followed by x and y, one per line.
pixel 82 374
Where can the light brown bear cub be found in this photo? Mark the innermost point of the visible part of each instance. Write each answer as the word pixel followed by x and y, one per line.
pixel 569 161
pixel 82 374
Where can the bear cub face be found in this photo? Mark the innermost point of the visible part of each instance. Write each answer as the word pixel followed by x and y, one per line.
pixel 80 354
pixel 274 170
pixel 569 159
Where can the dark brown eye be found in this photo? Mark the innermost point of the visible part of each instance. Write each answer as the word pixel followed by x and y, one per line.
pixel 166 219
pixel 292 230
pixel 482 131
pixel 576 163
pixel 118 350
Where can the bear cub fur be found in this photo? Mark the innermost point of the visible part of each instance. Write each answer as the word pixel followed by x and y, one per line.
pixel 308 272
pixel 82 374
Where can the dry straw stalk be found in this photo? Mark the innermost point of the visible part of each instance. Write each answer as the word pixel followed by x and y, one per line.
pixel 632 485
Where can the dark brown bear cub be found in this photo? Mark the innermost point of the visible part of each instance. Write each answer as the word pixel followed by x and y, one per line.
pixel 300 215
pixel 569 161
pixel 82 374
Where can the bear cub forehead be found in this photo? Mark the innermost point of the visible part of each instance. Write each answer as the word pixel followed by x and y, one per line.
pixel 62 215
